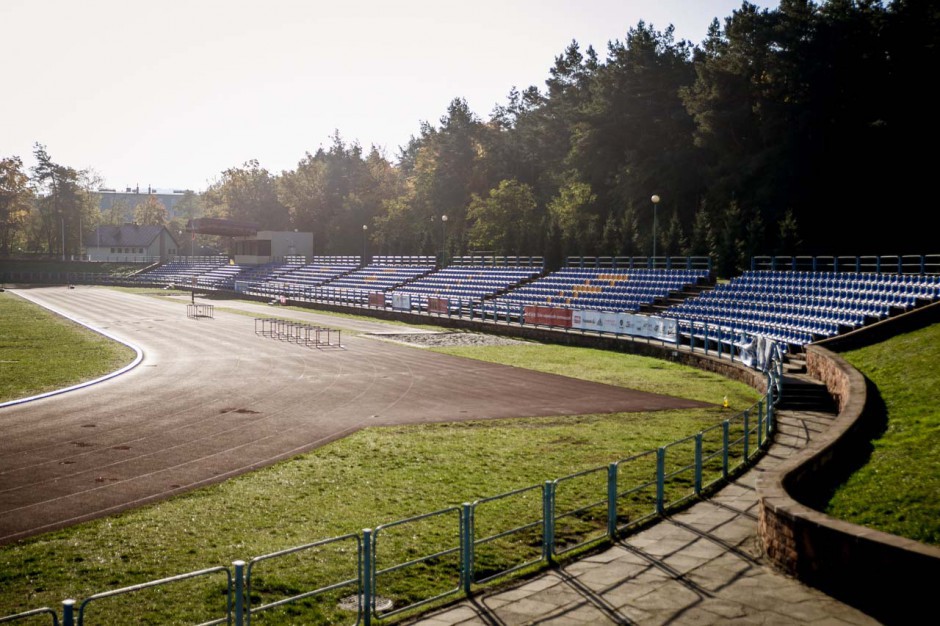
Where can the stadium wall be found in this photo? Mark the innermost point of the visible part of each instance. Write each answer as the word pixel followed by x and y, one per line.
pixel 571 337
pixel 889 577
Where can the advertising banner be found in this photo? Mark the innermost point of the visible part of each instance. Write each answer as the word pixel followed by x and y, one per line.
pixel 377 298
pixel 547 316
pixel 625 324
pixel 401 301
pixel 438 305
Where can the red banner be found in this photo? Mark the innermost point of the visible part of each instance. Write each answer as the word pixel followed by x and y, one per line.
pixel 377 298
pixel 438 305
pixel 547 316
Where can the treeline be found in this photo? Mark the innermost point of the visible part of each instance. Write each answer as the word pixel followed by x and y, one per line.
pixel 806 129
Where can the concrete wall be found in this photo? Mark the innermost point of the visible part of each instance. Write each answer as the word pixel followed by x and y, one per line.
pixel 889 577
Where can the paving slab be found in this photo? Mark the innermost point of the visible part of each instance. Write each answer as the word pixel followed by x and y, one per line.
pixel 701 567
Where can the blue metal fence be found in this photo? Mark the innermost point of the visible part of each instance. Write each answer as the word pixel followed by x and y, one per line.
pixel 890 264
pixel 461 546
pixel 313 550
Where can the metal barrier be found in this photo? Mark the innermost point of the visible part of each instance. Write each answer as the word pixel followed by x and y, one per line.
pixel 641 262
pixel 525 533
pixel 890 264
pixel 428 561
pixel 583 523
pixel 196 311
pixel 230 601
pixel 558 517
pixel 298 550
pixel 636 504
pixel 28 614
pixel 291 331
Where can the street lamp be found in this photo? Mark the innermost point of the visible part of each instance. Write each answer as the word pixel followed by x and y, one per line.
pixel 365 228
pixel 655 200
pixel 443 240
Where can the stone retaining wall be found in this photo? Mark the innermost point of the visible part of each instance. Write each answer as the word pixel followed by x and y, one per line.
pixel 889 577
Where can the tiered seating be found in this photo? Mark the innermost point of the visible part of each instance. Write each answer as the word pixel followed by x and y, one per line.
pixel 299 280
pixel 222 277
pixel 601 289
pixel 179 273
pixel 356 286
pixel 799 307
pixel 268 271
pixel 462 283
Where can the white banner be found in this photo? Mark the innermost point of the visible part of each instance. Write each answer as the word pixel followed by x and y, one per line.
pixel 401 301
pixel 625 324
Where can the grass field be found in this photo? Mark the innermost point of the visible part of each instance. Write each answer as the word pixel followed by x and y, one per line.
pixel 40 352
pixel 898 490
pixel 373 477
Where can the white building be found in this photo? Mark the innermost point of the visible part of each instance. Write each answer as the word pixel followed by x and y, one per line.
pixel 131 243
pixel 270 245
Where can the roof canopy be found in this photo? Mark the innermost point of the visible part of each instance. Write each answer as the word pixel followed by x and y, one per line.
pixel 218 226
pixel 132 235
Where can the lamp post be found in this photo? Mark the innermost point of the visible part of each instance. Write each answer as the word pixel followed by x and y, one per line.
pixel 443 240
pixel 655 200
pixel 365 229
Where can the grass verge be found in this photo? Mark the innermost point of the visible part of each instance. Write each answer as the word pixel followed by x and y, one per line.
pixel 374 477
pixel 898 490
pixel 41 352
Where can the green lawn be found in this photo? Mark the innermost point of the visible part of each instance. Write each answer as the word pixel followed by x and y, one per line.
pixel 373 477
pixel 898 490
pixel 40 351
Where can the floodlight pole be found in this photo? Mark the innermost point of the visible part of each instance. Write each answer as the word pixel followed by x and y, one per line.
pixel 655 200
pixel 365 230
pixel 443 240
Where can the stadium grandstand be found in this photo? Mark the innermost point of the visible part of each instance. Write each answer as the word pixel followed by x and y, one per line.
pixel 792 301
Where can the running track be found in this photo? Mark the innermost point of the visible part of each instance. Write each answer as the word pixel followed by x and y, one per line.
pixel 211 399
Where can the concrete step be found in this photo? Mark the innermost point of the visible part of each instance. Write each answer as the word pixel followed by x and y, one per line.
pixel 794 365
pixel 803 393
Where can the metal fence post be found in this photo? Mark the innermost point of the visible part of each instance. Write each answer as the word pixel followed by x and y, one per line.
pixel 68 612
pixel 705 334
pixel 760 423
pixel 466 547
pixel 747 437
pixel 698 463
pixel 612 500
pixel 770 409
pixel 239 592
pixel 366 582
pixel 660 479
pixel 548 521
pixel 725 427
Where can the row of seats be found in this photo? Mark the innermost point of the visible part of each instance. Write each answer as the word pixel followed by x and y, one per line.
pixel 807 305
pixel 794 307
pixel 465 283
pixel 606 289
pixel 178 273
pixel 380 277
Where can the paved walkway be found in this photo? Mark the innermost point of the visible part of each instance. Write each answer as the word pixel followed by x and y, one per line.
pixel 702 566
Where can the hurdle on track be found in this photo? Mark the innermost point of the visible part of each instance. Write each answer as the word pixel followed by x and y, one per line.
pixel 196 311
pixel 309 335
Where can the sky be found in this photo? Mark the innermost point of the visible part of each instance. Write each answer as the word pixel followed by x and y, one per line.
pixel 170 94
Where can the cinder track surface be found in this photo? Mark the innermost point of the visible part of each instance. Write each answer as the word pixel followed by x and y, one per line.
pixel 211 399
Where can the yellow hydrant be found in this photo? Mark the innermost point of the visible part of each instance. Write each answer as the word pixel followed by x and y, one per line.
pixel 725 403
